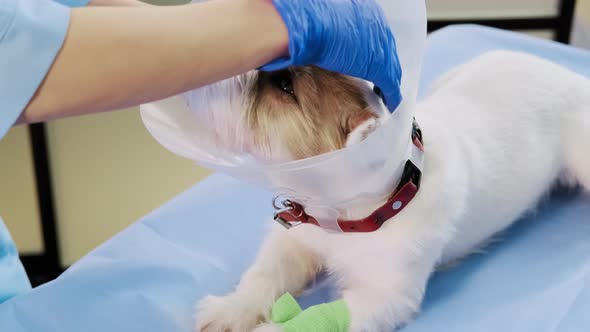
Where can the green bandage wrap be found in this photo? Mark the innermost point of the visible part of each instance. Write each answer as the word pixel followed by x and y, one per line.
pixel 327 317
pixel 284 309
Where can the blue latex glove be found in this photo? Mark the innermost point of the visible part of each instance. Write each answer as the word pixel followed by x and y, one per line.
pixel 351 37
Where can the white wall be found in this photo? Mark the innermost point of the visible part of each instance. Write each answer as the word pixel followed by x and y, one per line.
pixel 107 173
pixel 448 9
pixel 583 10
pixel 581 31
pixel 18 195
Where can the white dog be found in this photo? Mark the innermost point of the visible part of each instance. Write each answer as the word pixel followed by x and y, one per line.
pixel 498 132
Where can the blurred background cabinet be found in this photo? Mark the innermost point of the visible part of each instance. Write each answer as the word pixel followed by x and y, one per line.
pixel 68 185
pixel 550 19
pixel 488 9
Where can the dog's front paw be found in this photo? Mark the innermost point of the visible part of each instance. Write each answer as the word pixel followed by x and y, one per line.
pixel 232 313
pixel 268 328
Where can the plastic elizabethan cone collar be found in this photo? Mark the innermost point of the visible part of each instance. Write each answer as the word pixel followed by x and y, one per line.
pixel 324 184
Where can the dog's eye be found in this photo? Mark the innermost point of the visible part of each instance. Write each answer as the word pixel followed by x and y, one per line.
pixel 283 80
pixel 378 91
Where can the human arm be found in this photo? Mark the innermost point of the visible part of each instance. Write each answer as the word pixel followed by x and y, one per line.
pixel 110 66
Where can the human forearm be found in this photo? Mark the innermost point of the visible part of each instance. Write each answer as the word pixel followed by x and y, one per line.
pixel 108 63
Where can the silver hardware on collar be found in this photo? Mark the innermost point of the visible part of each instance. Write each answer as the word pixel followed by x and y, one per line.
pixel 285 223
pixel 397 205
pixel 287 206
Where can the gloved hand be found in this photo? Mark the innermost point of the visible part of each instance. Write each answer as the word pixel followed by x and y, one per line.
pixel 351 37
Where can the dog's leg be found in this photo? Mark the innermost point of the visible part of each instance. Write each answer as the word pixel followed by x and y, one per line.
pixel 380 307
pixel 384 276
pixel 382 279
pixel 284 264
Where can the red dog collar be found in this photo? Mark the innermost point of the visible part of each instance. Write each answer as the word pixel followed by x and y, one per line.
pixel 293 214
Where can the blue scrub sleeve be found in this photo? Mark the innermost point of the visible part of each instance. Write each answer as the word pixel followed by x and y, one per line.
pixel 13 279
pixel 31 34
pixel 73 3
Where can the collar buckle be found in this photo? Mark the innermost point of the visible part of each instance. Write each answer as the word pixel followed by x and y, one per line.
pixel 285 223
pixel 287 207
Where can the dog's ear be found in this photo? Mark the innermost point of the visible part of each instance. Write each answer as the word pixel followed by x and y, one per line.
pixel 356 119
pixel 359 125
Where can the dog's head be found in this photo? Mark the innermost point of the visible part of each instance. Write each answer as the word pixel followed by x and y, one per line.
pixel 291 114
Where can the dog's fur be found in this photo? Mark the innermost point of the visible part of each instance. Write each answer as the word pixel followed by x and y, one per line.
pixel 499 131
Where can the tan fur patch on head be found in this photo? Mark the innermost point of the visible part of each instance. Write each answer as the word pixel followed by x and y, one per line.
pixel 308 110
